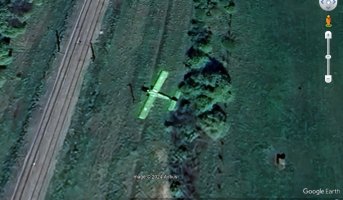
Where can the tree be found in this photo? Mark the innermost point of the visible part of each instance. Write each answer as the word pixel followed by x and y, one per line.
pixel 230 8
pixel 213 123
pixel 21 9
pixel 207 86
pixel 5 57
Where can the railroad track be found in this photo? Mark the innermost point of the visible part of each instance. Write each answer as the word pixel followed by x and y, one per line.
pixel 39 163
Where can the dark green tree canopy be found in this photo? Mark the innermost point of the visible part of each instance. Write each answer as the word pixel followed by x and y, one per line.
pixel 207 86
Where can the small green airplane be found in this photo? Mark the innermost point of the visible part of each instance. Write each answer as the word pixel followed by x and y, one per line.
pixel 155 93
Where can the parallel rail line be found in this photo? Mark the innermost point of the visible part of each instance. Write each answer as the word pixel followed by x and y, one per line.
pixel 35 174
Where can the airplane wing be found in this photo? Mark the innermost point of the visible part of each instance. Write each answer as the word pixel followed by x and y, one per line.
pixel 149 103
pixel 160 80
pixel 151 99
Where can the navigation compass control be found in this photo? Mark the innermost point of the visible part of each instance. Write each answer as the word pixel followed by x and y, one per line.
pixel 328 5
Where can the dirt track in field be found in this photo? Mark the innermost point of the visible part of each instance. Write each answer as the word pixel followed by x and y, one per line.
pixel 40 160
pixel 149 36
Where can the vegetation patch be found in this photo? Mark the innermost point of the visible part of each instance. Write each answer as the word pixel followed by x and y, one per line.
pixel 200 117
pixel 13 16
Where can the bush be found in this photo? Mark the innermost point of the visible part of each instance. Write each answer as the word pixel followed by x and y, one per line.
pixel 196 62
pixel 213 123
pixel 202 103
pixel 4 61
pixel 230 8
pixel 13 32
pixel 20 8
pixel 5 57
pixel 200 34
pixel 228 43
pixel 211 81
pixel 12 23
pixel 206 48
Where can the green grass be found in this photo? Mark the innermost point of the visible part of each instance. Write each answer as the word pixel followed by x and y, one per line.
pixel 133 49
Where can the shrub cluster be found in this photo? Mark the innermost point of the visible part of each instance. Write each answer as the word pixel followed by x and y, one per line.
pixel 199 117
pixel 205 89
pixel 13 16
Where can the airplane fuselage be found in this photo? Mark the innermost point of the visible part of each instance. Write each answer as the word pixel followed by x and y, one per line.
pixel 155 93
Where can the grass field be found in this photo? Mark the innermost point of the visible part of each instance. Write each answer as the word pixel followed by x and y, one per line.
pixel 282 103
pixel 107 145
pixel 274 52
pixel 276 61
